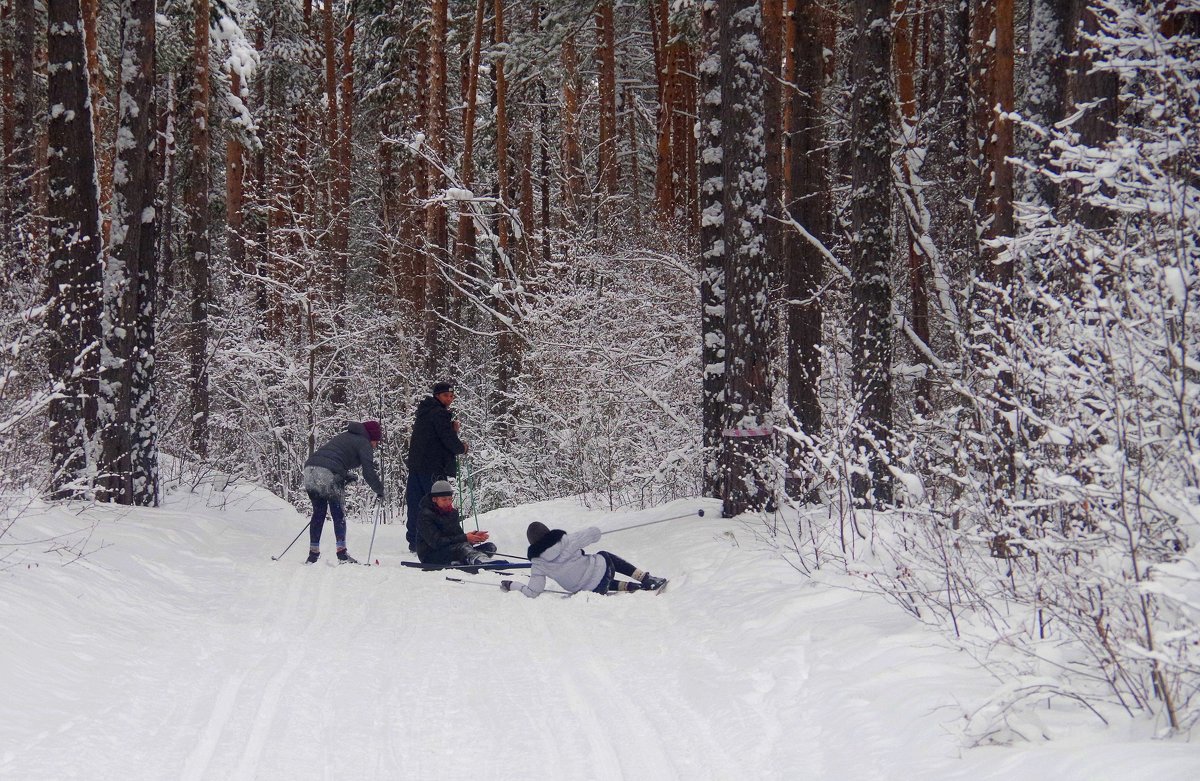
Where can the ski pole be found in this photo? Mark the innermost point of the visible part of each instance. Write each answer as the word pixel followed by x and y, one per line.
pixel 699 513
pixel 290 544
pixel 378 512
pixel 493 585
pixel 471 488
pixel 509 556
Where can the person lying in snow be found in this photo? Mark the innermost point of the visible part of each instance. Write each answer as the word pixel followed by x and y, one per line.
pixel 559 555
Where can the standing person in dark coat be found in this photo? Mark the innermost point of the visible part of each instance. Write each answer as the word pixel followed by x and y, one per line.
pixel 431 451
pixel 326 473
pixel 440 535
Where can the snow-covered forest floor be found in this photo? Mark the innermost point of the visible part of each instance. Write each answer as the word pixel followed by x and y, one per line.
pixel 165 643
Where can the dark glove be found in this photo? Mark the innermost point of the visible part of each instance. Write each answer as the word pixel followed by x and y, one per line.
pixel 506 585
pixel 350 478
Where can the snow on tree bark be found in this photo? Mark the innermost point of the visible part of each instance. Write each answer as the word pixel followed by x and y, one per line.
pixel 199 242
pixel 20 135
pixel 76 271
pixel 749 321
pixel 712 249
pixel 871 248
pixel 129 404
pixel 809 204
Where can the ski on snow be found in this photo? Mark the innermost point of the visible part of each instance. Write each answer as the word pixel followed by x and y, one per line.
pixel 470 568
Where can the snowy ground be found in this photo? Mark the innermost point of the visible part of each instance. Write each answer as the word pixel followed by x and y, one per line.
pixel 177 649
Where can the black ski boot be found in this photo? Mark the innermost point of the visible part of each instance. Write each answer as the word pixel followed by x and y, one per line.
pixel 345 557
pixel 651 583
pixel 313 555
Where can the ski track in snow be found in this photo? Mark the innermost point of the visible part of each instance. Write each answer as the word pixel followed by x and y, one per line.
pixel 180 650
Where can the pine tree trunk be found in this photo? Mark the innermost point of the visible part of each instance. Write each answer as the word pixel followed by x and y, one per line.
pixel 199 253
pixel 664 177
pixel 75 273
pixel 235 200
pixel 1046 90
pixel 992 84
pixel 20 134
pixel 681 113
pixel 436 228
pixel 572 156
pixel 871 250
pixel 809 205
pixel 465 247
pixel 7 143
pixel 712 249
pixel 1098 92
pixel 508 356
pixel 502 195
pixel 749 322
pixel 130 447
pixel 166 132
pixel 104 150
pixel 608 170
pixel 912 193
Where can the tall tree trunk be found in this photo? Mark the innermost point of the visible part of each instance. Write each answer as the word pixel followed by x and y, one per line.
pixel 912 192
pixel 664 195
pixel 199 243
pixel 7 120
pixel 1046 89
pixel 712 249
pixel 749 321
pixel 465 246
pixel 96 84
pixel 681 114
pixel 572 156
pixel 508 346
pixel 608 170
pixel 21 137
pixel 235 200
pixel 992 83
pixel 166 132
pixel 75 273
pixel 502 195
pixel 130 446
pixel 809 205
pixel 436 229
pixel 635 168
pixel 343 151
pixel 871 249
pixel 1095 93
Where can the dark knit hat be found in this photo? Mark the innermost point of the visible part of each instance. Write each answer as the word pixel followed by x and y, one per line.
pixel 374 430
pixel 536 531
pixel 442 387
pixel 441 488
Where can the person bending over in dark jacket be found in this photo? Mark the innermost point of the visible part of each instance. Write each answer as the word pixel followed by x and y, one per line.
pixel 441 539
pixel 559 555
pixel 326 473
pixel 431 451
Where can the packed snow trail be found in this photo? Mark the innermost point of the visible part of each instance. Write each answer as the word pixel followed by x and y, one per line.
pixel 177 649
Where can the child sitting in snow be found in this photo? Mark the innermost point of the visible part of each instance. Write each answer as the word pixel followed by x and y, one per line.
pixel 559 555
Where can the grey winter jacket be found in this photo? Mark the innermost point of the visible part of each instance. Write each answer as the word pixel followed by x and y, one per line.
pixel 567 564
pixel 346 451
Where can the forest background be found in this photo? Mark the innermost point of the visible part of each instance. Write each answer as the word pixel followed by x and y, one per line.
pixel 931 264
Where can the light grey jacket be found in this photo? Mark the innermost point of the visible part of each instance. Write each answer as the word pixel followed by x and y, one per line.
pixel 568 565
